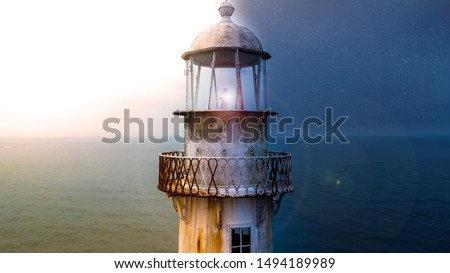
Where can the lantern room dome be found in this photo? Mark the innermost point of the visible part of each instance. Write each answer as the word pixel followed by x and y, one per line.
pixel 226 35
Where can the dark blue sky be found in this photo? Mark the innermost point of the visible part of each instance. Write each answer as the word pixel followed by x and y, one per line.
pixel 386 64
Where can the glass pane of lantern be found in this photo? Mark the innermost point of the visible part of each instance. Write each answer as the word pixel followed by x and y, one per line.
pixel 226 88
pixel 262 84
pixel 250 65
pixel 201 87
pixel 249 92
pixel 200 81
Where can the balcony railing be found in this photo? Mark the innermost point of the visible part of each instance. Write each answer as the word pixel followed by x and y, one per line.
pixel 225 176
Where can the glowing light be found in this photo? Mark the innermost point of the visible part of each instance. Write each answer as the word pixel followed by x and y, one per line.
pixel 226 99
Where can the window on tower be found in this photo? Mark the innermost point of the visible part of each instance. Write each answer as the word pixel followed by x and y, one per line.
pixel 240 240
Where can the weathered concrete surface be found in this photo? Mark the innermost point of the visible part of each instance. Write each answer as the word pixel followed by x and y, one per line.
pixel 209 221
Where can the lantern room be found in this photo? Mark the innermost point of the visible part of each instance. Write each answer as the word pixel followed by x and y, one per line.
pixel 226 68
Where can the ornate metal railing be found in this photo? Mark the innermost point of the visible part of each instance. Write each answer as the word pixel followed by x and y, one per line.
pixel 225 176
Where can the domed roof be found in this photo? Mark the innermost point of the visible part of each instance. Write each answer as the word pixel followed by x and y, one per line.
pixel 226 35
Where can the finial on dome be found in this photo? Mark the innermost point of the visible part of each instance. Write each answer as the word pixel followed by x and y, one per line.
pixel 226 9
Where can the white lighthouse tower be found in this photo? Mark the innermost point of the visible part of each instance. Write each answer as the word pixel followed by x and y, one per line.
pixel 225 185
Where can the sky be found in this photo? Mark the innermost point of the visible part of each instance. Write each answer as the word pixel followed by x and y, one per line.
pixel 384 63
pixel 65 66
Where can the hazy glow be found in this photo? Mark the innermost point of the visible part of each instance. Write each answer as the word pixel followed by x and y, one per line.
pixel 227 97
pixel 67 65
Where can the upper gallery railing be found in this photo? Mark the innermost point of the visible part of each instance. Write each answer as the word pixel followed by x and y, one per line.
pixel 225 176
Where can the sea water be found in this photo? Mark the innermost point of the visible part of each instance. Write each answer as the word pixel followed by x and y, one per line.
pixel 375 194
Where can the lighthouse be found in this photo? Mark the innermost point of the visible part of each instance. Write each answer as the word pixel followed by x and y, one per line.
pixel 225 185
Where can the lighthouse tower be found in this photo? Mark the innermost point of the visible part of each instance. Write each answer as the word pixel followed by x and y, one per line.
pixel 225 185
